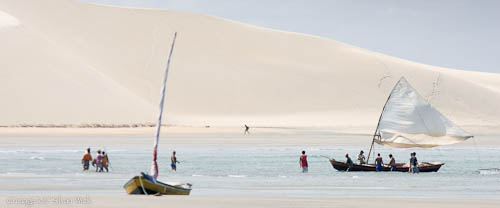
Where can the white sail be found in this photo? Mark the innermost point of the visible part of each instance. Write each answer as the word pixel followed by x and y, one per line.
pixel 154 165
pixel 409 121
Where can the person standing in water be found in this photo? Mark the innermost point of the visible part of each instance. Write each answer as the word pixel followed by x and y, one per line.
pixel 173 161
pixel 349 162
pixel 413 163
pixel 392 163
pixel 361 158
pixel 86 158
pixel 379 163
pixel 303 162
pixel 105 161
pixel 247 128
pixel 98 161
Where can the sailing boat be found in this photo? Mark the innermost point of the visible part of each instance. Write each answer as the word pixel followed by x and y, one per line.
pixel 147 184
pixel 408 120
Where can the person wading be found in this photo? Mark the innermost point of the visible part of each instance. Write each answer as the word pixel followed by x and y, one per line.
pixel 392 162
pixel 86 158
pixel 303 162
pixel 349 162
pixel 379 163
pixel 173 161
pixel 413 163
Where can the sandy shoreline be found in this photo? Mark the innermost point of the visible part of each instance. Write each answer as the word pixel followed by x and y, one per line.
pixel 122 200
pixel 201 136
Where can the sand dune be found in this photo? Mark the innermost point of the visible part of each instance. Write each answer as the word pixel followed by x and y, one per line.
pixel 68 62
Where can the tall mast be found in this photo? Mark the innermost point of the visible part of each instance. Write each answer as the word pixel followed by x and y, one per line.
pixel 379 119
pixel 154 166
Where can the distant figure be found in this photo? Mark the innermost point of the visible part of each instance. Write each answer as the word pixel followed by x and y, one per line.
pixel 246 129
pixel 379 162
pixel 413 163
pixel 105 161
pixel 98 161
pixel 392 163
pixel 173 161
pixel 86 158
pixel 303 162
pixel 349 162
pixel 361 158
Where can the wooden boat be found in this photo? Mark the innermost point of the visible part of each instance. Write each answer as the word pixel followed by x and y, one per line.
pixel 142 185
pixel 147 184
pixel 400 167
pixel 408 120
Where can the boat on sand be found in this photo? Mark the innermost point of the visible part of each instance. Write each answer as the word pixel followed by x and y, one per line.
pixel 143 185
pixel 408 120
pixel 147 184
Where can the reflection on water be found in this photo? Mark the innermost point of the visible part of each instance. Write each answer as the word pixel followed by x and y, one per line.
pixel 260 170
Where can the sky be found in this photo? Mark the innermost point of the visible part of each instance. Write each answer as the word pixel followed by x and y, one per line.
pixel 460 34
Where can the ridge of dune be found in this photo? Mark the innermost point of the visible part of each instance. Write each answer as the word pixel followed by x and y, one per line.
pixel 69 62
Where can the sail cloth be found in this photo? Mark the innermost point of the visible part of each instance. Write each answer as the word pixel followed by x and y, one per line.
pixel 154 165
pixel 408 120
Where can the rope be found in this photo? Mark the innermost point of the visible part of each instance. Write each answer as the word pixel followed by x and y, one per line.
pixel 142 186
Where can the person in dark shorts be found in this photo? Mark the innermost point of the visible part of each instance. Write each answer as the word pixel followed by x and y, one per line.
pixel 379 163
pixel 413 163
pixel 392 163
pixel 173 161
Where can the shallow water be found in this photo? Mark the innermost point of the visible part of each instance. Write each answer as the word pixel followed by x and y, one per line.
pixel 250 169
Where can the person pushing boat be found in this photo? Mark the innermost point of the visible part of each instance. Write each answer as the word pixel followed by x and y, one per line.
pixel 86 158
pixel 379 162
pixel 349 162
pixel 392 163
pixel 361 158
pixel 413 163
pixel 303 162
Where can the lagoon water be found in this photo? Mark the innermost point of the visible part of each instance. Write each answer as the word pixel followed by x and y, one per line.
pixel 250 169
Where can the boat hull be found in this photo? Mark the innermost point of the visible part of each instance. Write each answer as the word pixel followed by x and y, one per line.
pixel 141 185
pixel 400 167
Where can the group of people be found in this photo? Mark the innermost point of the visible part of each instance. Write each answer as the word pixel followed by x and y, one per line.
pixel 379 163
pixel 100 162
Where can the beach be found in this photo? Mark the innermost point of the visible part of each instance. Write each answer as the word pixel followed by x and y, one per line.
pixel 77 75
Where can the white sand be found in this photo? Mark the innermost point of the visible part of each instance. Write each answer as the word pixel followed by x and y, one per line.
pixel 67 62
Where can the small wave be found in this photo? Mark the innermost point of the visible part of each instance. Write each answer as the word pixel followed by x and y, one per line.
pixel 194 175
pixel 282 176
pixel 37 158
pixel 237 176
pixel 492 171
pixel 355 176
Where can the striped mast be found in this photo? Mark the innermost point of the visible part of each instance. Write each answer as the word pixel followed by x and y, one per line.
pixel 154 166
